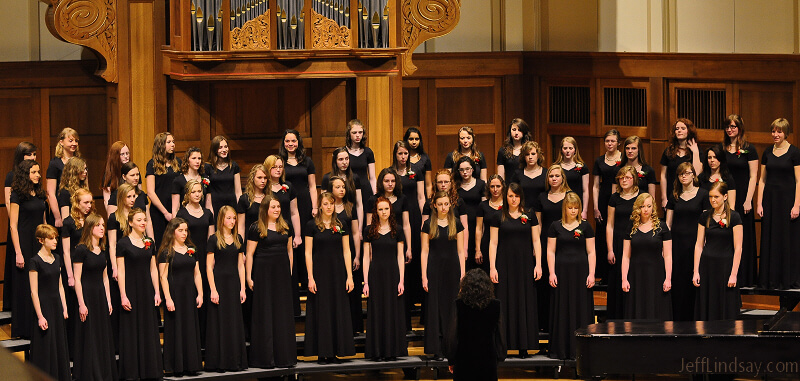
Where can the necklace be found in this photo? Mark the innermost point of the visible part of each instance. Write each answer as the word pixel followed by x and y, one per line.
pixel 610 159
pixel 416 156
pixel 496 206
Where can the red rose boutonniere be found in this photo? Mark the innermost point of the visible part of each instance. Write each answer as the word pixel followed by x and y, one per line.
pixel 477 161
pixel 412 175
pixel 715 180
pixel 284 188
pixel 337 230
pixel 190 251
pixel 577 234
pixel 641 174
pixel 739 152
pixel 618 162
pixel 723 223
pixel 206 182
pixel 147 243
pixel 578 167
pixel 524 218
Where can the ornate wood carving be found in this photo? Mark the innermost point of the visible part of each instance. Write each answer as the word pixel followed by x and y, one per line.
pixel 253 35
pixel 327 34
pixel 423 20
pixel 89 23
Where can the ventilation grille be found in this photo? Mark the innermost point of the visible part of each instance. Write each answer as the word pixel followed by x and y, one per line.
pixel 625 107
pixel 569 104
pixel 706 108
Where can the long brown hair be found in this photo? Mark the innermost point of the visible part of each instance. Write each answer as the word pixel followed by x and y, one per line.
pixel 75 209
pixel 121 214
pixel 508 145
pixel 722 188
pixel 263 217
pixel 375 225
pixel 70 177
pixel 348 205
pixel 169 237
pixel 213 154
pixel 640 150
pixel 92 220
pixel 160 155
pixel 560 158
pixel 527 148
pixel 334 219
pixel 433 231
pixel 740 141
pixel 672 148
pixel 677 187
pixel 348 140
pixel 113 170
pixel 22 183
pixel 185 163
pixel 473 150
pixel 628 170
pixel 237 240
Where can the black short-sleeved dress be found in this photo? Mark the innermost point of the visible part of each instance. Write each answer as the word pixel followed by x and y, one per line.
pixel 510 162
pixel 329 330
pixel 779 267
pixel 386 328
pixel 272 339
pixel 706 182
pixel 31 214
pixel 297 175
pixel 69 230
pixel 472 201
pixel 488 213
pixel 198 234
pixel 182 326
pixel 480 163
pixel 646 274
pixel 54 170
pixel 572 304
pixel 350 196
pixel 356 307
pixel 684 214
pixel 413 293
pixel 8 287
pixel 49 347
pixel 64 198
pixel 422 166
pixel 575 178
pixel 250 210
pixel 607 174
pixel 531 187
pixel 139 342
pixel 672 164
pixel 647 176
pixel 360 166
pixel 622 228
pixel 285 195
pixel 715 300
pixel 221 185
pixel 473 349
pixel 551 212
pixel 444 276
pixel 225 341
pixel 94 339
pixel 458 209
pixel 515 262
pixel 163 189
pixel 141 199
pixel 739 168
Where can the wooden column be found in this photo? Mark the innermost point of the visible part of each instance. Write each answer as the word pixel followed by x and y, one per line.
pixel 380 110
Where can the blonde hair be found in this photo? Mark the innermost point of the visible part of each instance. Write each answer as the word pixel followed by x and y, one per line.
pixel 70 177
pixel 160 156
pixel 564 186
pixel 433 231
pixel 570 140
pixel 65 133
pixel 571 199
pixel 263 217
pixel 187 190
pixel 636 215
pixel 250 188
pixel 132 213
pixel 269 163
pixel 527 148
pixel 75 210
pixel 121 214
pixel 221 224
pixel 782 125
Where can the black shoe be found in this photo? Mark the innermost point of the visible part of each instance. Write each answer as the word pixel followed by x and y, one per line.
pixel 393 358
pixel 335 360
pixel 323 361
pixel 438 358
pixel 523 354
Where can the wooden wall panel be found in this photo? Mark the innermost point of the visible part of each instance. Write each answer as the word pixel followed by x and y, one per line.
pixel 190 115
pixel 332 105
pixel 760 104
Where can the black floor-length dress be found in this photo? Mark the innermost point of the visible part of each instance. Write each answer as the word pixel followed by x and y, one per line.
pixel 49 351
pixel 198 234
pixel 572 304
pixel 272 338
pixel 285 196
pixel 139 342
pixel 715 300
pixel 684 227
pixel 31 214
pixel 516 290
pixel 444 276
pixel 360 166
pixel 182 326
pixel 386 328
pixel 472 202
pixel 222 185
pixel 488 213
pixel 779 266
pixel 509 162
pixel 622 228
pixel 94 359
pixel 646 275
pixel 574 178
pixel 163 189
pixel 225 341
pixel 532 187
pixel 297 175
pixel 739 168
pixel 551 212
pixel 356 305
pixel 413 278
pixel 608 175
pixel 329 329
pixel 10 265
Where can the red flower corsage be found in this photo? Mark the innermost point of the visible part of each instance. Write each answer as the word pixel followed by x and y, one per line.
pixel 723 223
pixel 337 229
pixel 641 174
pixel 524 218
pixel 147 243
pixel 412 175
pixel 577 234
pixel 715 180
pixel 578 167
pixel 206 182
pixel 477 160
pixel 190 251
pixel 284 188
pixel 618 162
pixel 739 152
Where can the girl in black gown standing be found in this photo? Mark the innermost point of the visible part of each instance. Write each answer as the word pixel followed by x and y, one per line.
pixel 467 146
pixel 225 341
pixel 384 267
pixel 66 148
pixel 742 161
pixel 340 167
pixel 717 255
pixel 571 259
pixel 646 260
pixel 224 176
pixel 24 151
pixel 329 331
pixel 779 206
pixel 192 169
pixel 131 176
pixel 268 271
pixel 508 155
pixel 604 172
pixel 577 174
pixel 160 172
pixel 442 269
pixel 139 343
pixel 49 351
pixel 26 211
pixel 490 209
pixel 82 205
pixel 471 190
pixel 634 156
pixel 420 162
pixel 683 210
pixel 715 169
pixel 301 173
pixel 250 201
pixel 515 262
pixel 530 174
pixel 682 148
pixel 620 207
pixel 118 154
pixel 94 359
pixel 183 295
pixel 362 159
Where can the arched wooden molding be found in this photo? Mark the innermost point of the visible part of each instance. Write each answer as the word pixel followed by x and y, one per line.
pixel 89 23
pixel 423 20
